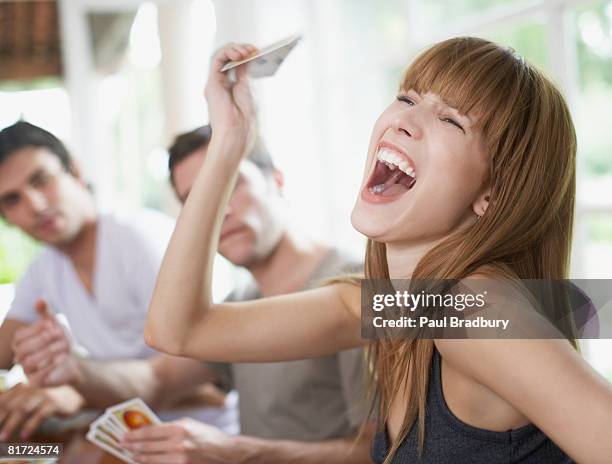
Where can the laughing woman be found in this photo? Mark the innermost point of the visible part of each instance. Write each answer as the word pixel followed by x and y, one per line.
pixel 483 182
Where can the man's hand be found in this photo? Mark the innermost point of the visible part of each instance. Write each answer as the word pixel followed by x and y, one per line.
pixel 25 407
pixel 185 441
pixel 43 349
pixel 190 442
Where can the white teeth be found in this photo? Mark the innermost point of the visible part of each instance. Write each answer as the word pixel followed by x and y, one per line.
pixel 377 188
pixel 393 160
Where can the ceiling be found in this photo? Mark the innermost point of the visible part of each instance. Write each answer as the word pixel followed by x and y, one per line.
pixel 30 45
pixel 29 40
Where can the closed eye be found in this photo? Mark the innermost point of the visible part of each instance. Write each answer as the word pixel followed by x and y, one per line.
pixel 453 122
pixel 405 99
pixel 409 101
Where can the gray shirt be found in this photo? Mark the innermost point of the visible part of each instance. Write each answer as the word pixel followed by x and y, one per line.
pixel 308 400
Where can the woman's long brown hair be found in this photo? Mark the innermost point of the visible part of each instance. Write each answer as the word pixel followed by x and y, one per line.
pixel 527 229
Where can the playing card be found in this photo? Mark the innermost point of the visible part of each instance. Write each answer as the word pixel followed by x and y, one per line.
pixel 133 414
pixel 109 437
pixel 266 62
pixel 99 438
pixel 106 424
pixel 114 425
pixel 114 436
pixel 108 430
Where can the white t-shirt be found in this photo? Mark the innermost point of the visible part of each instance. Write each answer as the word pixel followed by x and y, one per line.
pixel 110 323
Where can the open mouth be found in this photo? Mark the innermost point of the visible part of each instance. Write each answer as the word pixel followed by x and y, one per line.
pixel 393 174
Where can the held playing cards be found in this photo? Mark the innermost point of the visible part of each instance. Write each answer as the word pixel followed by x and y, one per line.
pixel 108 430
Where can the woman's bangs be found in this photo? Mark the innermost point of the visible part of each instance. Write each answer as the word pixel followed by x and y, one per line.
pixel 464 80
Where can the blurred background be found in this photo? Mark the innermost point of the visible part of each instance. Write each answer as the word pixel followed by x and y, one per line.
pixel 118 79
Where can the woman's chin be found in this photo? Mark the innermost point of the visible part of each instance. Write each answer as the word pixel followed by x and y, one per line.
pixel 365 225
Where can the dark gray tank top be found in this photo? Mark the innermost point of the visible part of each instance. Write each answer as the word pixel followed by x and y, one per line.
pixel 451 441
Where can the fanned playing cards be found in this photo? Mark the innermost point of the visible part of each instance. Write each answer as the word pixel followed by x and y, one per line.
pixel 108 430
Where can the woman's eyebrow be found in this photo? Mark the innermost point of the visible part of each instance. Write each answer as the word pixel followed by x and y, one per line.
pixel 459 113
pixel 448 104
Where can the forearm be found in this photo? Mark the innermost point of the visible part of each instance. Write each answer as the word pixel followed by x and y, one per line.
pixel 103 384
pixel 183 290
pixel 336 451
pixel 161 381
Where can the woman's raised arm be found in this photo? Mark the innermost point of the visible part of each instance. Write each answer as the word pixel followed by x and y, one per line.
pixel 182 318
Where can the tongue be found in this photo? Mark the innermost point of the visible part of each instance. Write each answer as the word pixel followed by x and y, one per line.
pixel 394 178
pixel 394 189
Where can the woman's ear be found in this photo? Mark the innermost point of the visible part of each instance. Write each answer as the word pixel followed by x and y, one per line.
pixel 482 202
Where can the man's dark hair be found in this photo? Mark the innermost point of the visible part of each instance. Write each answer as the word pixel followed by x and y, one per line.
pixel 23 134
pixel 185 144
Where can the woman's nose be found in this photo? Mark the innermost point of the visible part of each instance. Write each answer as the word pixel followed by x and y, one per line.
pixel 406 126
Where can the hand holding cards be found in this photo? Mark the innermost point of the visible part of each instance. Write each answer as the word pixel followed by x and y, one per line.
pixel 267 61
pixel 108 430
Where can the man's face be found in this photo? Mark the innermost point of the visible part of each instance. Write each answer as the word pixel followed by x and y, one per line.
pixel 40 197
pixel 253 224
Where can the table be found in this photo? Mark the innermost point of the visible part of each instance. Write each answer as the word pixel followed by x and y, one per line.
pixel 77 450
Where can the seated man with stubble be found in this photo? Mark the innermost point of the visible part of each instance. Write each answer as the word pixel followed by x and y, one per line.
pixel 98 270
pixel 307 411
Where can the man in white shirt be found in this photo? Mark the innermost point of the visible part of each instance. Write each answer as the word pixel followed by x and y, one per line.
pixel 105 300
pixel 97 270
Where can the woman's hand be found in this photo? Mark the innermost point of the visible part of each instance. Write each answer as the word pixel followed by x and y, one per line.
pixel 230 103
